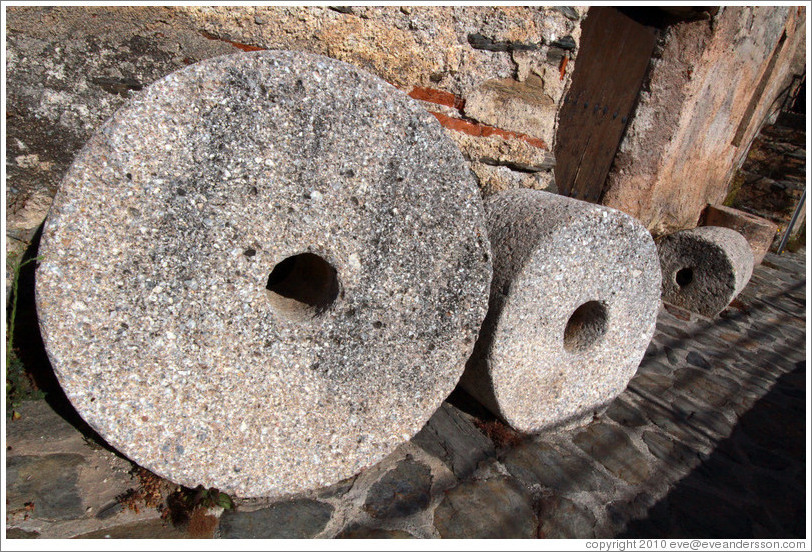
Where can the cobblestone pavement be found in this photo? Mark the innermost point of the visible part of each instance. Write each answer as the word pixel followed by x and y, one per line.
pixel 708 440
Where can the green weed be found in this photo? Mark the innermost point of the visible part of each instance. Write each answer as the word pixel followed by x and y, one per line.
pixel 19 386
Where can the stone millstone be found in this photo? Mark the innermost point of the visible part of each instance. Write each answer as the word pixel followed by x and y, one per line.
pixel 758 231
pixel 264 273
pixel 574 301
pixel 704 269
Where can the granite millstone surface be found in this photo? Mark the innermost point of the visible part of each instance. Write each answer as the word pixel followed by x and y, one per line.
pixel 574 301
pixel 264 273
pixel 704 269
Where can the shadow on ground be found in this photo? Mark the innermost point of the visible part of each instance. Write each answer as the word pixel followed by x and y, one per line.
pixel 708 502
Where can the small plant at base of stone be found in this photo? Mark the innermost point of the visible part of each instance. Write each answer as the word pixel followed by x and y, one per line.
pixel 180 506
pixel 184 502
pixel 202 524
pixel 735 185
pixel 194 509
pixel 149 493
pixel 798 241
pixel 19 385
pixel 501 435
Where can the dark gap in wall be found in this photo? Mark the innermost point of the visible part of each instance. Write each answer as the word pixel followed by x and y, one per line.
pixel 664 16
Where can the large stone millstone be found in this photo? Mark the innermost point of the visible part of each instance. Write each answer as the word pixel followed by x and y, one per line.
pixel 574 301
pixel 705 268
pixel 264 273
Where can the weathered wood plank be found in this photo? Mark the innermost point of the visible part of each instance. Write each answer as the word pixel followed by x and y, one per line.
pixel 613 59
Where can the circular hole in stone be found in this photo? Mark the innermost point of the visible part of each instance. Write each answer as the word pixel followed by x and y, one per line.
pixel 684 276
pixel 586 327
pixel 302 286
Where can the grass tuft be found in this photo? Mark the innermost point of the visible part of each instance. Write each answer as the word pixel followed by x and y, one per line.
pixel 19 385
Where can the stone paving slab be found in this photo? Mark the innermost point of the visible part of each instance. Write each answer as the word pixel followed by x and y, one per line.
pixel 707 441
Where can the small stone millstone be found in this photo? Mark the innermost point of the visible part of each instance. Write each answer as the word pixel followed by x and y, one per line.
pixel 574 301
pixel 264 273
pixel 704 269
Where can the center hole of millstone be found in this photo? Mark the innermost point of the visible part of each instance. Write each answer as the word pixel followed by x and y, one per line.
pixel 303 285
pixel 684 276
pixel 586 327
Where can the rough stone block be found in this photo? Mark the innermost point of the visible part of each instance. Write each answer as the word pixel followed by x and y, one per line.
pixel 264 273
pixel 517 106
pixel 573 306
pixel 704 269
pixel 758 231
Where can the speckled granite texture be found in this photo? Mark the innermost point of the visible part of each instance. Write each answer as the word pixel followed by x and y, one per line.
pixel 573 305
pixel 704 269
pixel 264 273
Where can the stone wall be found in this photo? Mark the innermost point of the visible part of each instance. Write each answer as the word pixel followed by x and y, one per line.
pixel 493 76
pixel 704 101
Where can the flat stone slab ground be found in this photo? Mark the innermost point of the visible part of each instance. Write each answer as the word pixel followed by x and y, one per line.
pixel 707 441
